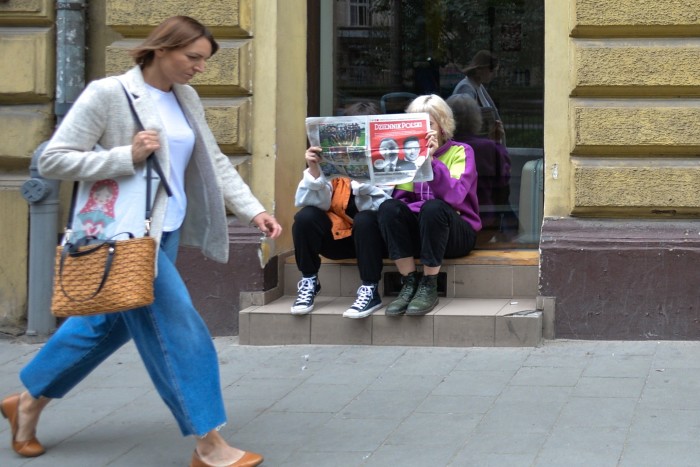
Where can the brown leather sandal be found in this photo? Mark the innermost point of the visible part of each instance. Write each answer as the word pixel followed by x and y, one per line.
pixel 10 410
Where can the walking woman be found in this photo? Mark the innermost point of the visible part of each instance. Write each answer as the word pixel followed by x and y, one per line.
pixel 100 139
pixel 431 220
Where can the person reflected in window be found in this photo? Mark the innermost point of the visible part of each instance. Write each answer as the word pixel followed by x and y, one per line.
pixel 499 222
pixel 431 220
pixel 481 70
pixel 334 214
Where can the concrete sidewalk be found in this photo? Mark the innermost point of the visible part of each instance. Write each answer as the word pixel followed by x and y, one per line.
pixel 563 404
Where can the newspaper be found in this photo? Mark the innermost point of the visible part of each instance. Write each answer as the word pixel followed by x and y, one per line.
pixel 377 149
pixel 488 119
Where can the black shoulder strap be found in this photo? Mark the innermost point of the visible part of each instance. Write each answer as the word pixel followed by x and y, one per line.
pixel 151 164
pixel 152 159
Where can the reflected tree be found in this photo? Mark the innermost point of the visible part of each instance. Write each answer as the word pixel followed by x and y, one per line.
pixel 428 34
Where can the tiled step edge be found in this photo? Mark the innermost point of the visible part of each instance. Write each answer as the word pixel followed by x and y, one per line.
pixel 454 323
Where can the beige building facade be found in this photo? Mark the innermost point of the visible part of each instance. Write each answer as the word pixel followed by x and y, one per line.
pixel 619 243
pixel 254 93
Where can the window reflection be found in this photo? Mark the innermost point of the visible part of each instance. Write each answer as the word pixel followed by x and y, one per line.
pixel 389 51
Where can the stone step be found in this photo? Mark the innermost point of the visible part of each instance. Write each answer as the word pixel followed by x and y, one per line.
pixel 455 322
pixel 487 299
pixel 482 274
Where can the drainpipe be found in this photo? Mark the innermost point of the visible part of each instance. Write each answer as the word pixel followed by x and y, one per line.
pixel 70 54
pixel 43 194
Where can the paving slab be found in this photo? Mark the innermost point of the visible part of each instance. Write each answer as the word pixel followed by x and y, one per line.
pixel 563 403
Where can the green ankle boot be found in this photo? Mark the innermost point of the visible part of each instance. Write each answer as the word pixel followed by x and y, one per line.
pixel 426 297
pixel 408 290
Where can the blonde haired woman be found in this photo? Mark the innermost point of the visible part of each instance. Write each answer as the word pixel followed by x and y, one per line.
pixel 431 220
pixel 101 139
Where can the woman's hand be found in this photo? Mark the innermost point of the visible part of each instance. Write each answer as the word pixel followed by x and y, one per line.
pixel 268 225
pixel 432 141
pixel 497 132
pixel 313 157
pixel 143 144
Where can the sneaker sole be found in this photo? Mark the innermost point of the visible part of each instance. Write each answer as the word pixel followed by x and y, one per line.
pixel 353 314
pixel 305 311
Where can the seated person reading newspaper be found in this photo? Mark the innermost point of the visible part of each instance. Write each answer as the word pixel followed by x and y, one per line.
pixel 431 220
pixel 334 214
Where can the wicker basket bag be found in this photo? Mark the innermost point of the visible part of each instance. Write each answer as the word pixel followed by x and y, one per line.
pixel 109 276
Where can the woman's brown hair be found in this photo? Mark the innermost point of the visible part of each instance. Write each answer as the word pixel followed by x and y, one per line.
pixel 173 33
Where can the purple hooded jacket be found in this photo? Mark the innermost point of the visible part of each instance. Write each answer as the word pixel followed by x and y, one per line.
pixel 454 182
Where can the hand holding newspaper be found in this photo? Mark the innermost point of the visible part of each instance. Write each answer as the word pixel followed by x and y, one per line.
pixel 376 149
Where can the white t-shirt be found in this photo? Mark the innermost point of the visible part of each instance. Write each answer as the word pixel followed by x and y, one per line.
pixel 181 143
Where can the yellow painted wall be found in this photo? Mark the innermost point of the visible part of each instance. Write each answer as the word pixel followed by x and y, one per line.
pixel 254 93
pixel 622 106
pixel 557 87
pixel 279 137
pixel 246 102
pixel 26 91
pixel 13 252
pixel 622 102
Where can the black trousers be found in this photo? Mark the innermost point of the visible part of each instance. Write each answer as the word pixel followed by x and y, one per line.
pixel 436 233
pixel 313 237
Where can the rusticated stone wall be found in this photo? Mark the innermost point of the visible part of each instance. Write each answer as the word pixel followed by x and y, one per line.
pixel 226 88
pixel 627 156
pixel 254 94
pixel 26 93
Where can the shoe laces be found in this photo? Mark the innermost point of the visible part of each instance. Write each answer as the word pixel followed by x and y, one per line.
pixel 424 290
pixel 408 289
pixel 306 289
pixel 364 295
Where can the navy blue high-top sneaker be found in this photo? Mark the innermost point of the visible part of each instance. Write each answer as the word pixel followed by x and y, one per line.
pixel 367 302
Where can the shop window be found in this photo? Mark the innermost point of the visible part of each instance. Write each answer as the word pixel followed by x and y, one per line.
pixel 383 49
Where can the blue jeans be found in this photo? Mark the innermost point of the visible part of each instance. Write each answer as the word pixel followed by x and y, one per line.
pixel 171 337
